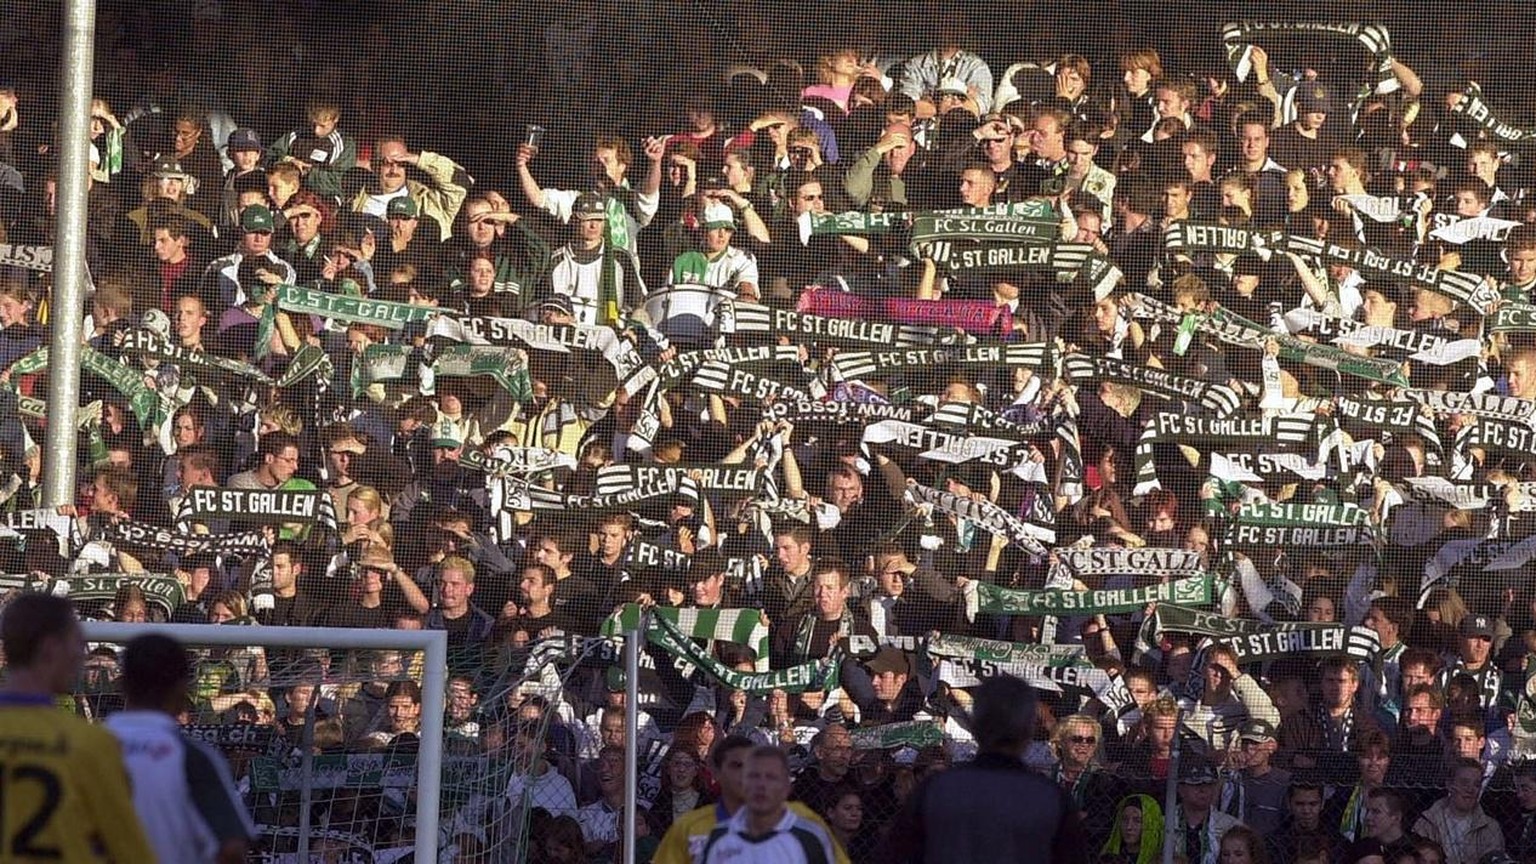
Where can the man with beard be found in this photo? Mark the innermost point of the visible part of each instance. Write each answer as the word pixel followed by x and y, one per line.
pixel 448 484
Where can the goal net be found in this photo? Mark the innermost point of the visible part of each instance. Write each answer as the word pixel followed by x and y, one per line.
pixel 357 745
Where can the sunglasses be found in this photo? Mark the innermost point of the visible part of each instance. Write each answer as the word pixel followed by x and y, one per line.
pixel 1082 739
pixel 802 152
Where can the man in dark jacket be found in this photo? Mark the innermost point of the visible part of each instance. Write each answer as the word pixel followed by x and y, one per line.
pixel 994 809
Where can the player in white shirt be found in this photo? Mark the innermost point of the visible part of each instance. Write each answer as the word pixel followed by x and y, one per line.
pixel 766 830
pixel 182 788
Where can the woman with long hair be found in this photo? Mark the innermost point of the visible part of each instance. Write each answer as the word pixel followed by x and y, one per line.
pixel 1137 836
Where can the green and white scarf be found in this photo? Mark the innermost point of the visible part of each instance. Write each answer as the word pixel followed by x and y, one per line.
pixel 1288 431
pixel 818 675
pixel 741 626
pixel 821 329
pixel 996 600
pixel 1468 288
pixel 1255 641
pixel 916 734
pixel 1092 565
pixel 1303 526
pixel 985 515
pixel 148 344
pixel 874 364
pixel 1513 318
pixel 1239 37
pixel 360 310
pixel 1234 329
pixel 267 506
pixel 717 377
pixel 506 365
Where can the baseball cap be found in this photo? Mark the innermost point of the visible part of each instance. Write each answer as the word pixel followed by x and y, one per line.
pixel 719 216
pixel 889 659
pixel 1256 729
pixel 256 218
pixel 403 205
pixel 244 139
pixel 1477 625
pixel 166 165
pixel 445 433
pixel 1197 772
pixel 1312 99
pixel 559 303
pixel 590 205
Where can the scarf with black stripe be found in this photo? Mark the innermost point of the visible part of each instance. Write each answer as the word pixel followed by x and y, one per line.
pixel 1468 288
pixel 1220 400
pixel 1288 431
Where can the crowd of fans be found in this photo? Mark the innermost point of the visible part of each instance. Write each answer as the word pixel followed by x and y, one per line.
pixel 692 341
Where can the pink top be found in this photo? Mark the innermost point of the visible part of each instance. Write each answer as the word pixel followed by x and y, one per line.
pixel 839 93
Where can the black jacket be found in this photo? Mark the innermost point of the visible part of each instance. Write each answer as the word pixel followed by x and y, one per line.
pixel 994 809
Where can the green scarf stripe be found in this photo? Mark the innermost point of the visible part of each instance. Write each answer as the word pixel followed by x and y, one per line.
pixel 741 626
pixel 384 313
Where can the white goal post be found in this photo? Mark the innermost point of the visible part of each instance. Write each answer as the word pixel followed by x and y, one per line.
pixel 432 643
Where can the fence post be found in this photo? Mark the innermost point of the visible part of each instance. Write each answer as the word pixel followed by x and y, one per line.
pixel 69 268
pixel 631 737
pixel 1171 792
pixel 307 741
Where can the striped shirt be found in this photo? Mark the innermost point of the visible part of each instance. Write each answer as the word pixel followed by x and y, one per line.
pixel 794 840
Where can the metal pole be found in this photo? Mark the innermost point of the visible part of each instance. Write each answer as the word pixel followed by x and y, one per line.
pixel 307 741
pixel 75 89
pixel 1171 793
pixel 631 739
pixel 429 768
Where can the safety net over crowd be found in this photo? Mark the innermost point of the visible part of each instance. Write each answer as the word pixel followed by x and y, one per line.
pixel 1185 369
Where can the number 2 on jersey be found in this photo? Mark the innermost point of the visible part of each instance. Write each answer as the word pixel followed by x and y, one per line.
pixel 22 844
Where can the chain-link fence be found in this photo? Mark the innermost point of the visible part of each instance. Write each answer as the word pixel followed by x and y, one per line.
pixel 1181 366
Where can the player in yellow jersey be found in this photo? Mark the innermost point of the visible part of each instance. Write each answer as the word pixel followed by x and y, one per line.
pixel 63 789
pixel 685 840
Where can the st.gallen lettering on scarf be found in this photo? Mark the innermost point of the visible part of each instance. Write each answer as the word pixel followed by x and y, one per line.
pixel 1475 291
pixel 1289 525
pixel 985 515
pixel 1240 37
pixel 1216 398
pixel 1276 431
pixel 360 310
pixel 962 661
pixel 1255 641
pixel 819 675
pixel 996 600
pixel 1236 330
pixel 266 506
